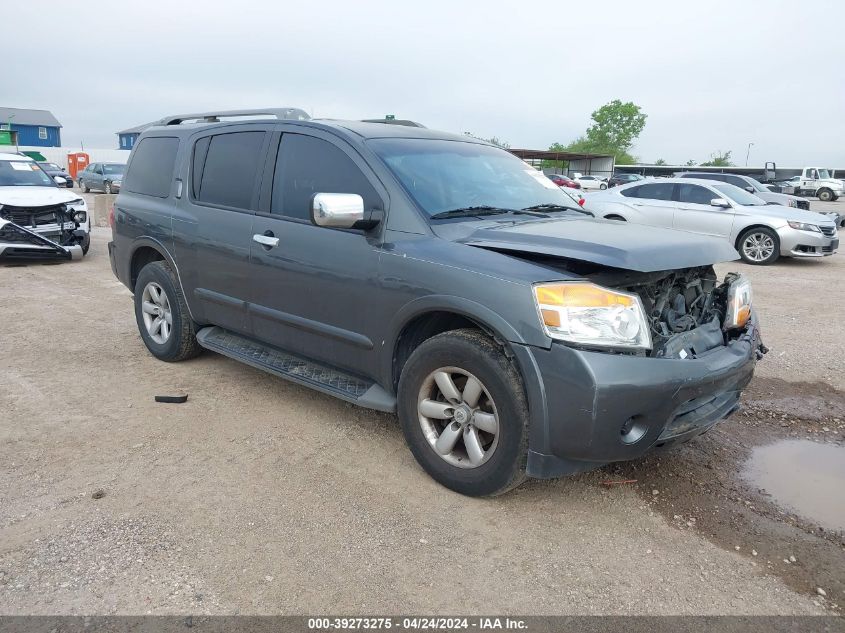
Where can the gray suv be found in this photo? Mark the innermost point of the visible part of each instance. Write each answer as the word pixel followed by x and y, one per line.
pixel 435 276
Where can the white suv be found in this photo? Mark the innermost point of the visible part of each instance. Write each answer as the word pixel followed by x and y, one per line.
pixel 38 219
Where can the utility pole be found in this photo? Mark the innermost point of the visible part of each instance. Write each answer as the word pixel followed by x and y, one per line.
pixel 747 153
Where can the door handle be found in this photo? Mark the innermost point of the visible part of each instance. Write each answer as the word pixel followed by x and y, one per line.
pixel 267 240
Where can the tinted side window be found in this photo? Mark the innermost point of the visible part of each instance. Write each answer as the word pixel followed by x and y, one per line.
pixel 306 165
pixel 694 194
pixel 230 169
pixel 151 170
pixel 651 191
pixel 197 163
pixel 736 180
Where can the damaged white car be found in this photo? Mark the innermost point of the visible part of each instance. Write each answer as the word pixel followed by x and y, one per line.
pixel 38 219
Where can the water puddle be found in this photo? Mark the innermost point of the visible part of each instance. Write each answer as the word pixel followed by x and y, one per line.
pixel 807 477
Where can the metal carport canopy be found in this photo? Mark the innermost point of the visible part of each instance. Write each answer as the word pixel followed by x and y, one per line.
pixel 541 154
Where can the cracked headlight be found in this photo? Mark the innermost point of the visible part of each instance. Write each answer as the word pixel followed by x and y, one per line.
pixel 739 303
pixel 804 226
pixel 79 217
pixel 588 314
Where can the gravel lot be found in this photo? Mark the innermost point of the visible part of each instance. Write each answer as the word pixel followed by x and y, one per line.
pixel 261 497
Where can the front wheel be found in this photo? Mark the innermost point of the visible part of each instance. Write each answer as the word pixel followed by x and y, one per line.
pixel 85 243
pixel 464 415
pixel 83 186
pixel 602 186
pixel 108 187
pixel 759 246
pixel 162 314
pixel 825 195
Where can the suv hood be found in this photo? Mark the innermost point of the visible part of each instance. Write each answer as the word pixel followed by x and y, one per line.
pixel 617 244
pixel 35 196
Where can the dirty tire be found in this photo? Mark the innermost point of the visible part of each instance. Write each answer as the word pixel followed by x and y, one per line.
pixel 825 195
pixel 470 350
pixel 759 231
pixel 108 187
pixel 84 187
pixel 182 342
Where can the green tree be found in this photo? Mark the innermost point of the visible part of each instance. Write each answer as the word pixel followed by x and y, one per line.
pixel 615 127
pixel 660 161
pixel 719 159
pixel 691 163
pixel 493 140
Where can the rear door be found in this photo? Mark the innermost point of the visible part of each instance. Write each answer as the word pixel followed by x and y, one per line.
pixel 651 203
pixel 314 289
pixel 212 227
pixel 695 213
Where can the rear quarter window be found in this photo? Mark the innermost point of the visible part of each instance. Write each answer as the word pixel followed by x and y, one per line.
pixel 150 172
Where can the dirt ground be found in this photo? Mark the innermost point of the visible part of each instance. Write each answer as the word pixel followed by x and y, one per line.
pixel 258 496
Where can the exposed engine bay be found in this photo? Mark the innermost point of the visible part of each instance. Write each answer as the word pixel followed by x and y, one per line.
pixel 46 232
pixel 686 308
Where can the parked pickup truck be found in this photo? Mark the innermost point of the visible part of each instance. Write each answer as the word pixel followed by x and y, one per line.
pixel 435 276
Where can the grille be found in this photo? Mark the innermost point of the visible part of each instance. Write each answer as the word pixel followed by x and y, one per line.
pixel 33 217
pixel 829 231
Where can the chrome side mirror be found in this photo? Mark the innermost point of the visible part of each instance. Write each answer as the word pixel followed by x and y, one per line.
pixel 337 210
pixel 721 203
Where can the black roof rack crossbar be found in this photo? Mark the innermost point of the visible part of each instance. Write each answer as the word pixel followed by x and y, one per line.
pixel 404 122
pixel 214 117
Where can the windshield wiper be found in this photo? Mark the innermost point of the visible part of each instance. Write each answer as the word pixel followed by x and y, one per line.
pixel 557 207
pixel 482 209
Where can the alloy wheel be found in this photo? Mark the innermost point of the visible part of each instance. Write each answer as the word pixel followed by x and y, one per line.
pixel 158 317
pixel 458 417
pixel 758 247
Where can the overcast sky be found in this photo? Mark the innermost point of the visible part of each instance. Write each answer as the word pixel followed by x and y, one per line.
pixel 710 75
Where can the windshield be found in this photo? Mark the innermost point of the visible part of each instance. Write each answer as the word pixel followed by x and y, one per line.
pixel 449 175
pixel 14 173
pixel 758 186
pixel 740 196
pixel 113 169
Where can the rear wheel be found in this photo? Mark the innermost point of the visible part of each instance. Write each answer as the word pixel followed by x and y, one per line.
pixel 464 415
pixel 759 246
pixel 162 314
pixel 602 186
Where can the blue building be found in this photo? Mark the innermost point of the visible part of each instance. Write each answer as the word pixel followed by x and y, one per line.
pixel 38 128
pixel 129 136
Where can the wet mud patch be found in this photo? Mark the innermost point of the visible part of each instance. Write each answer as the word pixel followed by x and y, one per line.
pixel 703 486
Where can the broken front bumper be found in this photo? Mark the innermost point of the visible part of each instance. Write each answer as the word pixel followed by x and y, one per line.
pixel 592 408
pixel 17 242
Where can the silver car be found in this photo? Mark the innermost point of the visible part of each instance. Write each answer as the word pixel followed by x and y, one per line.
pixel 761 232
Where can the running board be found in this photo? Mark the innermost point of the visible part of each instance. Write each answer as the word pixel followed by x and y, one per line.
pixel 297 369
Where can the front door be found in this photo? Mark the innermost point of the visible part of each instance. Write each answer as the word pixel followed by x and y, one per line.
pixel 696 213
pixel 314 289
pixel 212 224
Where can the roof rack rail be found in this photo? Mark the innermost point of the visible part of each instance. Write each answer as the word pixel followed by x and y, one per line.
pixel 404 122
pixel 214 117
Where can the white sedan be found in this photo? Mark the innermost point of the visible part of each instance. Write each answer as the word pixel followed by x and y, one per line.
pixel 590 182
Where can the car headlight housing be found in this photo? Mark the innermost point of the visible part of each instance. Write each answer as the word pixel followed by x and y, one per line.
pixel 739 303
pixel 804 226
pixel 79 217
pixel 79 202
pixel 587 314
